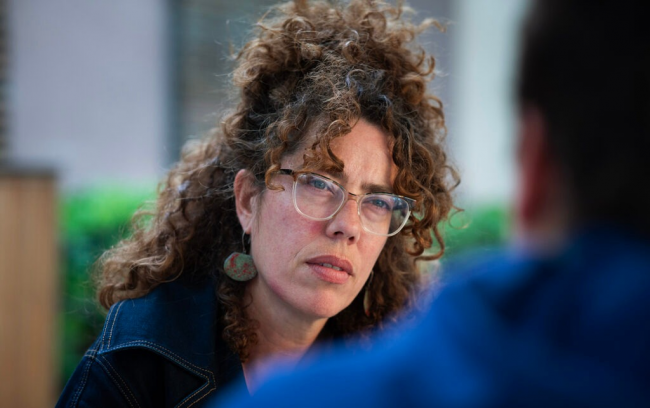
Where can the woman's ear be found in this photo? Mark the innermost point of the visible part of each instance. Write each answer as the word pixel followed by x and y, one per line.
pixel 245 199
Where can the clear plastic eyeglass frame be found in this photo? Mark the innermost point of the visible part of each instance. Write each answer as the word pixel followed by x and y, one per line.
pixel 356 197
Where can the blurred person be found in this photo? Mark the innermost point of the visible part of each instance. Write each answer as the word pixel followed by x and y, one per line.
pixel 298 222
pixel 561 318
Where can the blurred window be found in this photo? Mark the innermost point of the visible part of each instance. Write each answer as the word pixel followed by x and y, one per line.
pixel 3 78
pixel 209 33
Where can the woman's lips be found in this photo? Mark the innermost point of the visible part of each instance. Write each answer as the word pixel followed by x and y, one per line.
pixel 331 269
pixel 329 274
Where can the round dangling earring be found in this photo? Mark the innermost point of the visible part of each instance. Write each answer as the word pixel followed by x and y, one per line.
pixel 366 296
pixel 240 266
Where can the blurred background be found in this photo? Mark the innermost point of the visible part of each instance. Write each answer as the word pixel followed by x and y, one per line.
pixel 96 101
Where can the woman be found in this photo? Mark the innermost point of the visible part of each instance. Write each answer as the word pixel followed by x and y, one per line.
pixel 299 221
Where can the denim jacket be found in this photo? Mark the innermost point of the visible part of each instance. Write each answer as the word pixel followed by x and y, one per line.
pixel 160 350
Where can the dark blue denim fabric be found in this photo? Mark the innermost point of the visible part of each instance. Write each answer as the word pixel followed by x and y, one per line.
pixel 160 350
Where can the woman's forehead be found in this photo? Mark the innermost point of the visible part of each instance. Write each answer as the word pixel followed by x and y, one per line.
pixel 365 153
pixel 312 148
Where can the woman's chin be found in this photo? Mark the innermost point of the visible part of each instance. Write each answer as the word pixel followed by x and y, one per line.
pixel 325 306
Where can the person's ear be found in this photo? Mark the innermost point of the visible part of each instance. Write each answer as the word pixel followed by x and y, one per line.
pixel 246 193
pixel 535 188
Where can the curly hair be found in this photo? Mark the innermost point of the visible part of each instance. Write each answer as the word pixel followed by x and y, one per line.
pixel 311 69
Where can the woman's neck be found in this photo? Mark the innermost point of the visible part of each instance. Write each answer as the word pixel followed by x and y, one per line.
pixel 283 336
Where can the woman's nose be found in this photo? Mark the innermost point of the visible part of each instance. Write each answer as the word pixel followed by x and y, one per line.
pixel 346 223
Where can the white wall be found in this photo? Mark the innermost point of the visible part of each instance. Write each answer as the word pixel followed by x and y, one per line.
pixel 482 122
pixel 88 88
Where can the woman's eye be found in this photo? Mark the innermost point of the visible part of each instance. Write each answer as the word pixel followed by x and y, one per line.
pixel 318 183
pixel 381 204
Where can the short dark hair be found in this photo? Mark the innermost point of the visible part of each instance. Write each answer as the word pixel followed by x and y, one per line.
pixel 586 65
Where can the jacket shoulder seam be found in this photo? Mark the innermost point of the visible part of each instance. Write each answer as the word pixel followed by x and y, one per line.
pixel 110 371
pixel 206 374
pixel 84 380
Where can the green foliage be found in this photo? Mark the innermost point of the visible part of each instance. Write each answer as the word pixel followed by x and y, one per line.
pixel 477 227
pixel 91 221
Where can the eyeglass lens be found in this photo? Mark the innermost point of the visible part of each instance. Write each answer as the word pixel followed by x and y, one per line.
pixel 320 198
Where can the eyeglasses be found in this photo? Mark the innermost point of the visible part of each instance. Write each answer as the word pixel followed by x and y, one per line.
pixel 320 198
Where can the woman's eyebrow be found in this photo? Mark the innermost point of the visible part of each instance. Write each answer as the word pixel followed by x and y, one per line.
pixel 342 177
pixel 377 188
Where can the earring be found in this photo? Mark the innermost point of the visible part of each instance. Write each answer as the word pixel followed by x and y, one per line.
pixel 366 296
pixel 240 266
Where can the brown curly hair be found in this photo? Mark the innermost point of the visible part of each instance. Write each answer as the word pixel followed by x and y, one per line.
pixel 312 68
